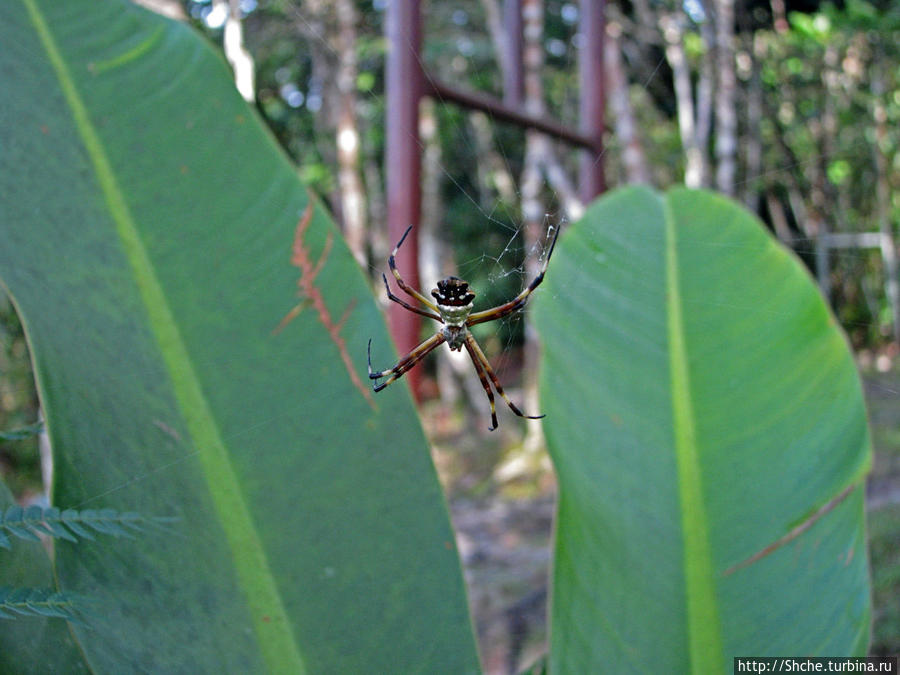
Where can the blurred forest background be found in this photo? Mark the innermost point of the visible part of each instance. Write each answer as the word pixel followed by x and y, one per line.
pixel 790 107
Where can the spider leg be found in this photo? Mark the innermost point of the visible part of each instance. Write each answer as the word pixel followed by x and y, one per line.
pixel 405 304
pixel 402 284
pixel 517 302
pixel 478 355
pixel 405 364
pixel 479 368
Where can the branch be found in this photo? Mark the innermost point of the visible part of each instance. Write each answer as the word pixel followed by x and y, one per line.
pixel 28 523
pixel 37 602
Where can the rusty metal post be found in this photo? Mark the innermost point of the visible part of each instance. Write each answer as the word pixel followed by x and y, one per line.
pixel 404 88
pixel 513 73
pixel 590 67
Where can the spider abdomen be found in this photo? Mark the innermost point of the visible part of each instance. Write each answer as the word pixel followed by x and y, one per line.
pixel 455 336
pixel 455 315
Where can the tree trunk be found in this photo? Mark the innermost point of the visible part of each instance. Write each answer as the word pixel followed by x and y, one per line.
pixel 311 21
pixel 536 147
pixel 169 8
pixel 779 219
pixel 633 158
pixel 494 178
pixel 331 30
pixel 235 52
pixel 706 85
pixel 559 180
pixel 726 87
pixel 430 254
pixel 377 238
pixel 883 200
pixel 430 257
pixel 779 17
pixel 752 186
pixel 353 198
pixel 823 130
pixel 695 156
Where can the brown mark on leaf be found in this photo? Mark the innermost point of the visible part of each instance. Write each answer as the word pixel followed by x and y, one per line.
pixel 167 429
pixel 794 533
pixel 312 297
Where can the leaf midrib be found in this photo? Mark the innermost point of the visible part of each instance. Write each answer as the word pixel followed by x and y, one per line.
pixel 270 620
pixel 703 626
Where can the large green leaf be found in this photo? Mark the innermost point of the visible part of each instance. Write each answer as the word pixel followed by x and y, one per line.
pixel 701 405
pixel 151 245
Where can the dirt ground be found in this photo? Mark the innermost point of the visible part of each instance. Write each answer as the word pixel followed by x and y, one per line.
pixel 502 500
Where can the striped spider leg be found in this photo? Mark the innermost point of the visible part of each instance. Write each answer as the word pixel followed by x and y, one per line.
pixel 453 309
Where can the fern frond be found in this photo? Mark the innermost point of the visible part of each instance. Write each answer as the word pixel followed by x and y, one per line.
pixel 37 602
pixel 22 432
pixel 28 523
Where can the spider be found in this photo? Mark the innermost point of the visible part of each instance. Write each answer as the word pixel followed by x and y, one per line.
pixel 454 311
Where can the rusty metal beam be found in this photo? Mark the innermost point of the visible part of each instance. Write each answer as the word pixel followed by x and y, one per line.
pixel 592 105
pixel 500 111
pixel 404 86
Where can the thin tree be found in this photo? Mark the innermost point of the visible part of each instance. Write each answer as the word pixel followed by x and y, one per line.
pixel 726 88
pixel 623 118
pixel 235 51
pixel 672 25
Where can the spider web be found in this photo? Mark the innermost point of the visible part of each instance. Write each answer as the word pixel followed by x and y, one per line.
pixel 508 255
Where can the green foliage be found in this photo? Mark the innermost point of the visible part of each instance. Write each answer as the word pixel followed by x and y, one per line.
pixel 22 432
pixel 838 171
pixel 815 27
pixel 832 96
pixel 701 407
pixel 28 523
pixel 37 602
